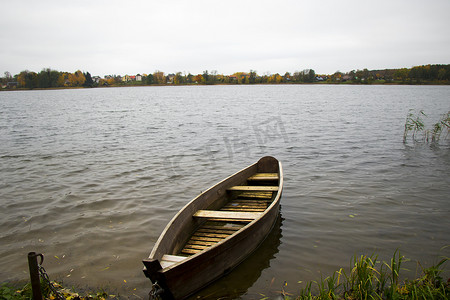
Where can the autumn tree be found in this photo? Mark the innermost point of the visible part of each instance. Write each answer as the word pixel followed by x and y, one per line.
pixel 77 79
pixel 275 78
pixel 179 78
pixel 159 77
pixel 27 79
pixel 63 79
pixel 199 79
pixel 401 74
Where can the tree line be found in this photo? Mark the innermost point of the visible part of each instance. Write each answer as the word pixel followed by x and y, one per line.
pixel 432 74
pixel 48 78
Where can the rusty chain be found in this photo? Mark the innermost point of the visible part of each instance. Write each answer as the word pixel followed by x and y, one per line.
pixel 156 292
pixel 47 281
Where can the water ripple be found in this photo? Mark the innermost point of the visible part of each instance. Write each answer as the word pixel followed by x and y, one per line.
pixel 93 187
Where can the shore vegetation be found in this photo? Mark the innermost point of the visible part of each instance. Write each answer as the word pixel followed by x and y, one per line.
pixel 367 278
pixel 368 281
pixel 53 79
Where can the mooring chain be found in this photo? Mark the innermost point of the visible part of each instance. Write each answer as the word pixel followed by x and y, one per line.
pixel 45 277
pixel 156 291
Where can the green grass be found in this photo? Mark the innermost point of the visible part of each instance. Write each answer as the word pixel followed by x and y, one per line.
pixel 366 281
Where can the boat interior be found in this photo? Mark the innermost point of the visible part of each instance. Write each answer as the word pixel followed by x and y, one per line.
pixel 240 205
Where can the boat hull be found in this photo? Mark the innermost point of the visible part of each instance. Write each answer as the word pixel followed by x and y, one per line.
pixel 195 272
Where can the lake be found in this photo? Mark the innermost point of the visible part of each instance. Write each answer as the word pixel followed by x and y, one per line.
pixel 90 178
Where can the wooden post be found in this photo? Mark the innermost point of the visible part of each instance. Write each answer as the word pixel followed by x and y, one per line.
pixel 34 275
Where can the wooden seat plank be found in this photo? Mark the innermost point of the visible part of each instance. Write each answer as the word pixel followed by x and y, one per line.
pixel 245 205
pixel 202 243
pixel 213 235
pixel 196 246
pixel 226 215
pixel 216 231
pixel 251 201
pixel 256 188
pixel 168 260
pixel 190 251
pixel 206 239
pixel 255 195
pixel 227 226
pixel 263 176
pixel 244 209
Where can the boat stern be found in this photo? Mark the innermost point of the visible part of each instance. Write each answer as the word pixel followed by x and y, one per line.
pixel 152 270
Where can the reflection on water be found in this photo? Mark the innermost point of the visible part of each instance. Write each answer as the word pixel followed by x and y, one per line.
pixel 91 177
pixel 238 281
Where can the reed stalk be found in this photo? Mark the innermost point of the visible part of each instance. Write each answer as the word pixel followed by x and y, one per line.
pixel 365 281
pixel 414 123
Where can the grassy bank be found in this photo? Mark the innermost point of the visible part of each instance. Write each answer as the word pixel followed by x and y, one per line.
pixel 364 281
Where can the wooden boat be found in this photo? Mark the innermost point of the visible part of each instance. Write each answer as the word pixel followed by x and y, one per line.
pixel 216 231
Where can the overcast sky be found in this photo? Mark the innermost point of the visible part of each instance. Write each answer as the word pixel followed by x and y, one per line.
pixel 130 37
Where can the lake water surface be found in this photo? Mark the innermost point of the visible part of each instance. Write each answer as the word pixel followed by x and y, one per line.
pixel 91 177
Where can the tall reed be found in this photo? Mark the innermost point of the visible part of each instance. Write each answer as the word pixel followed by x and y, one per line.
pixel 366 281
pixel 414 123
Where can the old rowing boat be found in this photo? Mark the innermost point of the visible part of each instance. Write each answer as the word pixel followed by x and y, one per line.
pixel 216 231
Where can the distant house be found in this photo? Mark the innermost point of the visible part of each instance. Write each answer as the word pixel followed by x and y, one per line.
pixel 96 79
pixel 170 78
pixel 128 78
pixel 346 77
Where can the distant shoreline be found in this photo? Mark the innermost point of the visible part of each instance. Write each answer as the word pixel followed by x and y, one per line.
pixel 437 74
pixel 230 84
